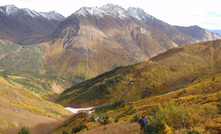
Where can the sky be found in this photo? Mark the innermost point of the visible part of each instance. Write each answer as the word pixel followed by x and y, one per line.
pixel 204 13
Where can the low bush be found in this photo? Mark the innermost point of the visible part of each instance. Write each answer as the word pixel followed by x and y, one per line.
pixel 24 130
pixel 135 118
pixel 92 119
pixel 111 106
pixel 77 129
pixel 219 109
pixel 190 132
pixel 65 132
pixel 173 69
pixel 155 125
pixel 105 119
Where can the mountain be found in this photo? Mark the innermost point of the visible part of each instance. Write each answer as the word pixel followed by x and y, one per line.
pixel 166 30
pixel 24 65
pixel 177 89
pixel 91 41
pixel 198 33
pixel 97 39
pixel 164 73
pixel 25 26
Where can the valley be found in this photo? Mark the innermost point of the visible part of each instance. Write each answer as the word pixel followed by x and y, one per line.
pixel 120 63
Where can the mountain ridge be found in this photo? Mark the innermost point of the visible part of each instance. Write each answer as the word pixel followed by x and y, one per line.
pixel 198 33
pixel 94 40
pixel 164 73
pixel 25 26
pixel 122 37
pixel 13 10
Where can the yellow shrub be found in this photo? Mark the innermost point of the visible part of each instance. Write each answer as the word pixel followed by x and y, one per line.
pixel 168 130
pixel 188 116
pixel 15 124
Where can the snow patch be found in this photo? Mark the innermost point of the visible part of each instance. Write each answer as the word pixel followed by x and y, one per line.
pixel 11 9
pixel 139 13
pixel 106 10
pixel 75 110
pixel 52 15
pixel 31 13
pixel 1 10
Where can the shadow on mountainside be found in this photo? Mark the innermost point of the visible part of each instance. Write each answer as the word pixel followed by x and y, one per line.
pixel 44 128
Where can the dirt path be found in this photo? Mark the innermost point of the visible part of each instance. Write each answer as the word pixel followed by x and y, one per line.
pixel 124 127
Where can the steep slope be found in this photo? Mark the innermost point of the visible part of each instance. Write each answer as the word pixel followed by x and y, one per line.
pixel 167 32
pixel 198 33
pixel 21 107
pixel 196 104
pixel 164 73
pixel 25 58
pixel 26 26
pixel 97 39
pixel 24 65
pixel 42 85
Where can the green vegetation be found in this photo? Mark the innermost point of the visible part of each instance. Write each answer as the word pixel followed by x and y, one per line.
pixel 25 58
pixel 40 84
pixel 94 88
pixel 173 69
pixel 135 118
pixel 219 109
pixel 104 128
pixel 24 130
pixel 7 48
pixel 77 129
pixel 183 92
pixel 196 108
pixel 116 120
pixel 65 132
pixel 156 124
pixel 190 131
pixel 164 73
pixel 111 106
pixel 92 119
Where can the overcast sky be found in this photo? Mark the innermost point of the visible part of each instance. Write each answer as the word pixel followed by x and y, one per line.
pixel 204 13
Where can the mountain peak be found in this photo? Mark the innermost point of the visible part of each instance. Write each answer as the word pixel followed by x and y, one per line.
pixel 29 12
pixel 52 15
pixel 105 10
pixel 115 10
pixel 112 7
pixel 139 13
pixel 9 9
pixel 96 11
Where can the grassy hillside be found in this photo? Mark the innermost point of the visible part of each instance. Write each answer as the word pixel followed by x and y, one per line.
pixel 28 58
pixel 21 107
pixel 24 86
pixel 24 65
pixel 196 106
pixel 40 84
pixel 164 73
